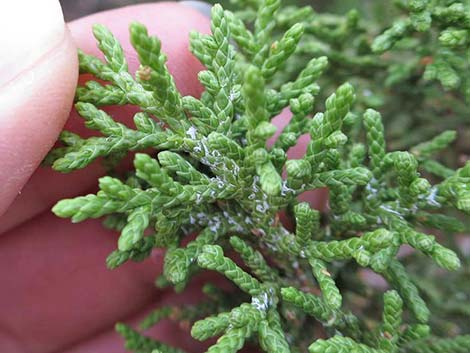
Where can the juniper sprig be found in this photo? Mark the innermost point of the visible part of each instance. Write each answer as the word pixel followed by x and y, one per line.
pixel 412 63
pixel 204 167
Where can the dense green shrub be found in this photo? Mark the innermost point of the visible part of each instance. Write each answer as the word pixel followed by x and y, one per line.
pixel 212 173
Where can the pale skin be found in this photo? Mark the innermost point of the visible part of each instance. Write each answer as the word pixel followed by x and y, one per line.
pixel 56 294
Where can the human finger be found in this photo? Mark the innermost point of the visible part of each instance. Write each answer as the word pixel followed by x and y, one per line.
pixel 171 22
pixel 38 74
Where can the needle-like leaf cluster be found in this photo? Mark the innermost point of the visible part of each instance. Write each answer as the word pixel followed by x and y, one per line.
pixel 206 176
pixel 407 58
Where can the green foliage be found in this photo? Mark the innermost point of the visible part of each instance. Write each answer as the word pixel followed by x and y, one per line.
pixel 204 167
pixel 412 64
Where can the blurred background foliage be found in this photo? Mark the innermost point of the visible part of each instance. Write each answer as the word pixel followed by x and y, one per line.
pixel 77 8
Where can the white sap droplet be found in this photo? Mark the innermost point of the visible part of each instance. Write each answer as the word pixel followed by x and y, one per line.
pixel 191 132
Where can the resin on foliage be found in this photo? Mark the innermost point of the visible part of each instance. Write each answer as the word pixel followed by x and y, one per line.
pixel 204 167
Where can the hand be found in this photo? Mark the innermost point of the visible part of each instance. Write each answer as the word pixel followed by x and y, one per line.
pixel 57 295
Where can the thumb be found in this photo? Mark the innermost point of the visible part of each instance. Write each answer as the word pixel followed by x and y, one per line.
pixel 38 74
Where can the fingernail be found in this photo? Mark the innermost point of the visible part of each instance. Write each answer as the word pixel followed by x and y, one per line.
pixel 29 29
pixel 201 6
